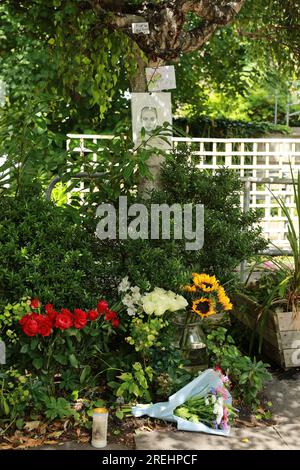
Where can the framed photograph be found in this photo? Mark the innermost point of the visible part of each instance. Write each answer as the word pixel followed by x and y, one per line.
pixel 150 111
pixel 161 78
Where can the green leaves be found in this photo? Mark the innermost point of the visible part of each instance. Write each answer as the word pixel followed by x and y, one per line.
pixel 58 408
pixel 135 384
pixel 38 362
pixel 73 361
pixel 248 376
pixel 85 374
pixel 14 394
pixel 61 358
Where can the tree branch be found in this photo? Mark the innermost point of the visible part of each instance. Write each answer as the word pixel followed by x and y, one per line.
pixel 218 12
pixel 213 14
pixel 168 37
pixel 194 39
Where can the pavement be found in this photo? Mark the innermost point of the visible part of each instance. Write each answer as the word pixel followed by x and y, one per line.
pixel 284 435
pixel 72 445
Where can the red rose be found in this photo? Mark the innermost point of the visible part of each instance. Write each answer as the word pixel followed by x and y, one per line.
pixel 52 316
pixel 30 327
pixel 44 325
pixel 25 319
pixel 115 323
pixel 63 320
pixel 49 308
pixel 110 316
pixel 35 303
pixel 35 316
pixel 93 315
pixel 102 306
pixel 80 318
pixel 66 311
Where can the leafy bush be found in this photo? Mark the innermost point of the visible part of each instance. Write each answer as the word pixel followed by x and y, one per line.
pixel 248 376
pixel 14 395
pixel 220 127
pixel 230 235
pixel 46 253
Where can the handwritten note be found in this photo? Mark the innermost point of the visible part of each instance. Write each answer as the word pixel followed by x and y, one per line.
pixel 140 28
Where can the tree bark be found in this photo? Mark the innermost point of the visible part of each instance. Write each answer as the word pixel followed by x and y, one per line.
pixel 138 84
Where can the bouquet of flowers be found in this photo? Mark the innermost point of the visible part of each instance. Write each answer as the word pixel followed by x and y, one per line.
pixel 207 295
pixel 210 409
pixel 148 313
pixel 203 405
pixel 156 302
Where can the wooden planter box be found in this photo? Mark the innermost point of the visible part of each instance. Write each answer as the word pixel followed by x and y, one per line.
pixel 281 334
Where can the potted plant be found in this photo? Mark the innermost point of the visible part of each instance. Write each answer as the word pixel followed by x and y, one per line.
pixel 271 306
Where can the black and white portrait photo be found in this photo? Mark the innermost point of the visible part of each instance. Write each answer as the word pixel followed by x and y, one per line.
pixel 150 111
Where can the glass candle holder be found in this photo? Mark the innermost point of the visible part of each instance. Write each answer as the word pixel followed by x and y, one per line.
pixel 99 432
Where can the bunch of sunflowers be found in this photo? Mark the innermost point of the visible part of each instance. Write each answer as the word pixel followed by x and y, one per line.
pixel 207 295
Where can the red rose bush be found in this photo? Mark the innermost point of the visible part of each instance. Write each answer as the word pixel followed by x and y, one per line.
pixel 37 323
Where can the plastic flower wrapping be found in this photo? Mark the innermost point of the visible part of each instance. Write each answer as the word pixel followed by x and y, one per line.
pixel 210 409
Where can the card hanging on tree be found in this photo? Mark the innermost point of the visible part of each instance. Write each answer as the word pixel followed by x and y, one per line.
pixel 140 28
pixel 149 113
pixel 161 78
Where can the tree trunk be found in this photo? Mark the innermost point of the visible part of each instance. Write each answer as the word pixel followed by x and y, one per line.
pixel 139 85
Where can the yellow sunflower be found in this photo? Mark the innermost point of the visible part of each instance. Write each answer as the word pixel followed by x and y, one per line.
pixel 224 299
pixel 204 307
pixel 205 282
pixel 190 288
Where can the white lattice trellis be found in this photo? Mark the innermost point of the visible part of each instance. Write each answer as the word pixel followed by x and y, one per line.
pixel 253 159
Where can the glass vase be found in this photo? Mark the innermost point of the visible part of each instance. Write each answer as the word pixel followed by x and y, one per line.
pixel 190 338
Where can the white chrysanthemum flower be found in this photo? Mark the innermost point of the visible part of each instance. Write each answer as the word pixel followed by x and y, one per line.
pixel 218 411
pixel 220 401
pixel 213 398
pixel 127 300
pixel 135 294
pixel 124 285
pixel 131 312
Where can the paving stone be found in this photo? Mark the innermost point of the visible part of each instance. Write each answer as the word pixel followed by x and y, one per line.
pixel 78 446
pixel 285 396
pixel 290 434
pixel 241 438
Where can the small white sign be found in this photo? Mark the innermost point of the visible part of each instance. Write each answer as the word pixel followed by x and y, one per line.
pixel 2 353
pixel 161 78
pixel 140 28
pixel 2 93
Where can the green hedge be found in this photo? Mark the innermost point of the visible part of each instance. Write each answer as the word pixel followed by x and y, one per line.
pixel 45 252
pixel 223 128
